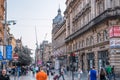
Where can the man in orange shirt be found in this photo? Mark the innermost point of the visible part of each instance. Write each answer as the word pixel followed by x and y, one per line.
pixel 41 75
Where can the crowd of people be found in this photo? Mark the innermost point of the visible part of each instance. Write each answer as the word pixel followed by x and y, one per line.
pixel 42 72
pixel 106 73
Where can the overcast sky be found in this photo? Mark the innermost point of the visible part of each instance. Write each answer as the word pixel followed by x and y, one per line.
pixel 30 14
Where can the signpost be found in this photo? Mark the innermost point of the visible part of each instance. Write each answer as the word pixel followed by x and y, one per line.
pixel 15 57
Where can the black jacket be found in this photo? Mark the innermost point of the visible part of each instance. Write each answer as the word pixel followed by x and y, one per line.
pixel 6 77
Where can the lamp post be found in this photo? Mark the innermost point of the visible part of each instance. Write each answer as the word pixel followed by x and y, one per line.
pixel 5 32
pixel 6 23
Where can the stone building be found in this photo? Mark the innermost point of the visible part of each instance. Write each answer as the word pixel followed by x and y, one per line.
pixel 42 52
pixel 88 23
pixel 1 19
pixel 48 52
pixel 58 40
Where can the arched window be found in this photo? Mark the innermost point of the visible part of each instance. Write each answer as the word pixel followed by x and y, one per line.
pixel 87 42
pixel 105 35
pixel 82 43
pixel 91 40
pixel 98 37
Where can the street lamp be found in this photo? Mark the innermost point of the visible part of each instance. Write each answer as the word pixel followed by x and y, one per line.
pixel 6 23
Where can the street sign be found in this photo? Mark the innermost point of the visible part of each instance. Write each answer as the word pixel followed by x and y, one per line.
pixel 15 56
pixel 9 52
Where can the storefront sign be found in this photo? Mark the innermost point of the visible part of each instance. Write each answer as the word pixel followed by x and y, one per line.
pixel 115 43
pixel 114 31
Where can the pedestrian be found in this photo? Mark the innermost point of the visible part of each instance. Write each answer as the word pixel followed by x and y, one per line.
pixel 93 74
pixel 4 75
pixel 48 69
pixel 102 74
pixel 33 71
pixel 113 72
pixel 79 73
pixel 109 71
pixel 41 75
pixel 61 72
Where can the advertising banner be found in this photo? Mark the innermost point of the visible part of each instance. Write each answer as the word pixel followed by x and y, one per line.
pixel 9 52
pixel 114 31
pixel 1 52
pixel 115 43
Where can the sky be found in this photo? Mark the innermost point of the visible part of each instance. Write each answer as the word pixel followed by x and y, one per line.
pixel 29 14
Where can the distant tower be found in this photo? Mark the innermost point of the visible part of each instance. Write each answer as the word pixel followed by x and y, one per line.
pixel 58 19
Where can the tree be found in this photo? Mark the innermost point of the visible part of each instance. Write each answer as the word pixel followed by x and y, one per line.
pixel 24 55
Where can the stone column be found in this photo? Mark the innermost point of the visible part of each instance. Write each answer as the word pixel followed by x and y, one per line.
pixel 96 59
pixel 85 62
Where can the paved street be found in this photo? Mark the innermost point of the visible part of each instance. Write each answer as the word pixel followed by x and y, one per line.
pixel 30 77
pixel 67 77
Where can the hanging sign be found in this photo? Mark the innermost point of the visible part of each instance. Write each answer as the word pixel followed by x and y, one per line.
pixel 9 52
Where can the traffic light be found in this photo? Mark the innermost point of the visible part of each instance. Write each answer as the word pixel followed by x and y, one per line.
pixel 72 57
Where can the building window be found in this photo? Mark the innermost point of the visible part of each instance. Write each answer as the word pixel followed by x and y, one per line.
pixel 98 37
pixel 87 42
pixel 112 3
pixel 100 6
pixel 105 35
pixel 91 40
pixel 82 43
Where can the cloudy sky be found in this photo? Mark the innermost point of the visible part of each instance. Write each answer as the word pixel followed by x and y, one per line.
pixel 30 14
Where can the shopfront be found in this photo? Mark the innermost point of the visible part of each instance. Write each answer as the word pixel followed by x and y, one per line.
pixel 90 59
pixel 102 58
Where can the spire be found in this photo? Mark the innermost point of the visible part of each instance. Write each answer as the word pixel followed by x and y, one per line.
pixel 59 10
pixel 58 19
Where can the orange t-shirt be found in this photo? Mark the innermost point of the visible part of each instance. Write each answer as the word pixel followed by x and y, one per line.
pixel 41 75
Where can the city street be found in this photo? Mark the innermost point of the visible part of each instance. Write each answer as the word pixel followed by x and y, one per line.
pixel 29 76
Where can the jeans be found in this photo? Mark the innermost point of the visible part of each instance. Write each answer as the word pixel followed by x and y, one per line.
pixel 109 76
pixel 113 76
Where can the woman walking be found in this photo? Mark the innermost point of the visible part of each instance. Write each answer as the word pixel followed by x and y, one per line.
pixel 102 74
pixel 79 73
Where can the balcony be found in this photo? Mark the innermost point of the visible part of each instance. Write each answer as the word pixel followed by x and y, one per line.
pixel 107 14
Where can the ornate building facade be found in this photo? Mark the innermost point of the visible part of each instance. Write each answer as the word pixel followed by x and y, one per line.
pixel 88 23
pixel 48 52
pixel 58 40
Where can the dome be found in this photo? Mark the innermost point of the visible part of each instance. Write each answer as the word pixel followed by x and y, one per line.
pixel 58 19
